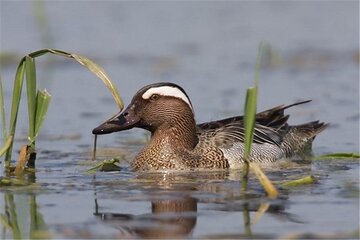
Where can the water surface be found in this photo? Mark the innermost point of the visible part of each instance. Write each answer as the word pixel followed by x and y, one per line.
pixel 209 48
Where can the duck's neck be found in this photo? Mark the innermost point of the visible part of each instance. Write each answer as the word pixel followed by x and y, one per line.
pixel 179 134
pixel 166 143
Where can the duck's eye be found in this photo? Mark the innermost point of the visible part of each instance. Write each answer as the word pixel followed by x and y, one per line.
pixel 154 97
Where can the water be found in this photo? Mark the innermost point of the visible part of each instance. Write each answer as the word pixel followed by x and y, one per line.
pixel 209 48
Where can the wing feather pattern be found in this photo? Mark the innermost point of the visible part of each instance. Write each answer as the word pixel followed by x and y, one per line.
pixel 270 127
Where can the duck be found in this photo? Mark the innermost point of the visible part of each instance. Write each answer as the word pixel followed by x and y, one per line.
pixel 178 143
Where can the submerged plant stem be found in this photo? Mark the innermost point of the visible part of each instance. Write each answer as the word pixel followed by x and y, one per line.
pixel 247 221
pixel 94 148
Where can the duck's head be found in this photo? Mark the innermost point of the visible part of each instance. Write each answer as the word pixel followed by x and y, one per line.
pixel 151 107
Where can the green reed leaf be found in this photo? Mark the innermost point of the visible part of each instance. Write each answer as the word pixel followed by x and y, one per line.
pixel 7 143
pixel 249 118
pixel 100 72
pixel 249 121
pixel 36 118
pixel 93 67
pixel 43 99
pixel 19 77
pixel 31 95
pixel 249 124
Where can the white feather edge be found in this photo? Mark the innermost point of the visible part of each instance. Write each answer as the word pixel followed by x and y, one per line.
pixel 167 91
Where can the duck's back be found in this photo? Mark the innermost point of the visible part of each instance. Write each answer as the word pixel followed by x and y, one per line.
pixel 273 138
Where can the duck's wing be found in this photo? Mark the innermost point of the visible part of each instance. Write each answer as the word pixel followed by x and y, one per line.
pixel 270 127
pixel 227 135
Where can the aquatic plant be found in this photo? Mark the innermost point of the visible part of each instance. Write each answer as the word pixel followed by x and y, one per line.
pixel 249 122
pixel 38 100
pixel 300 182
pixel 337 156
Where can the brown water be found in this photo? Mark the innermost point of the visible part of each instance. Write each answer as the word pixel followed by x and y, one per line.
pixel 209 48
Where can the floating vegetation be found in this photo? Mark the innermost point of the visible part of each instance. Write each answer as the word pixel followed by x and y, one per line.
pixel 337 156
pixel 5 181
pixel 300 182
pixel 106 166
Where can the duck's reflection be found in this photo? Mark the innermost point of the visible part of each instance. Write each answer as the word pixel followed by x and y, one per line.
pixel 175 218
pixel 174 199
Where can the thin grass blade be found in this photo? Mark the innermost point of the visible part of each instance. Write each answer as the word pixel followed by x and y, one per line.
pixel 94 148
pixel 249 121
pixel 249 118
pixel 43 99
pixel 19 77
pixel 262 45
pixel 93 67
pixel 100 72
pixel 31 95
pixel 45 51
pixel 250 104
pixel 2 112
pixel 6 145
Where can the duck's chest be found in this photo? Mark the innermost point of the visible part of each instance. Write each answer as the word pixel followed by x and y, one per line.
pixel 161 155
pixel 165 154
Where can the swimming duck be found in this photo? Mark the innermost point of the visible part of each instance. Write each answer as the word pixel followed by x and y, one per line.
pixel 178 143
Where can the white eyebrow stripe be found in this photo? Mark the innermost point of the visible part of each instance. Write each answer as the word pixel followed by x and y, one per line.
pixel 167 91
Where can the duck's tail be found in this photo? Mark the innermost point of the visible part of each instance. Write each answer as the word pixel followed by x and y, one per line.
pixel 309 130
pixel 298 141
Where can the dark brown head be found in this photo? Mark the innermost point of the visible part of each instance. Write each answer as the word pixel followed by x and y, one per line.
pixel 152 106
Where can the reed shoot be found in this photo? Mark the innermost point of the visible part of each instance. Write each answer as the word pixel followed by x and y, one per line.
pixel 38 100
pixel 249 122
